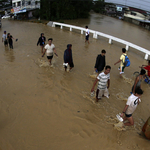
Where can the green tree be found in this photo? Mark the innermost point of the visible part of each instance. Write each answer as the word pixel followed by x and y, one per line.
pixel 99 6
pixel 65 9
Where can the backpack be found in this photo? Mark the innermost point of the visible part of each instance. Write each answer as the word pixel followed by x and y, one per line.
pixel 126 62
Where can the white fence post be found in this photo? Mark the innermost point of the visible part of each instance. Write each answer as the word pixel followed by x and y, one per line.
pixel 70 29
pixel 95 35
pixel 127 47
pixel 81 31
pixel 110 41
pixel 146 56
pixel 61 27
pixel 53 25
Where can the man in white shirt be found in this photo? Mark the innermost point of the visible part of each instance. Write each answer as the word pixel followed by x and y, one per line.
pixel 103 79
pixel 122 60
pixel 130 107
pixel 87 32
pixel 4 39
pixel 49 49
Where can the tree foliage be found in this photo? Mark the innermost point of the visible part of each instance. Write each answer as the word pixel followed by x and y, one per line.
pixel 65 9
pixel 98 6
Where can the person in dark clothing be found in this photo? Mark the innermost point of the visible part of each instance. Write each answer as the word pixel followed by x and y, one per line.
pixel 11 42
pixel 68 57
pixel 41 41
pixel 100 62
pixel 8 36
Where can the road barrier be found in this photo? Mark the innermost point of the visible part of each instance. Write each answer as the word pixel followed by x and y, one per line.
pixel 97 33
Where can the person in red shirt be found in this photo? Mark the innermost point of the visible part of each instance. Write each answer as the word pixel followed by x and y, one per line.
pixel 147 67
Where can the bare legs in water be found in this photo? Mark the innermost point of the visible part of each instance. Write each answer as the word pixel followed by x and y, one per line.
pixel 42 47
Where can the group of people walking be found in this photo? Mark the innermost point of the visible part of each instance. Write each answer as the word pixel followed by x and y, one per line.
pixel 7 38
pixel 103 78
pixel 50 50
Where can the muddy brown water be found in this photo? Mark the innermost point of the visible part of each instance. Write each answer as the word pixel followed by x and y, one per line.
pixel 44 108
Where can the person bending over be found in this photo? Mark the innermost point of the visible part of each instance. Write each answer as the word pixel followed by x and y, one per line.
pixel 138 80
pixel 132 102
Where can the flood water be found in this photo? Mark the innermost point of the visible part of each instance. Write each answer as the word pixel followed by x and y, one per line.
pixel 46 108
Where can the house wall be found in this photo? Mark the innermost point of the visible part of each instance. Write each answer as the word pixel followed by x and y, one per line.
pixel 140 4
pixel 26 3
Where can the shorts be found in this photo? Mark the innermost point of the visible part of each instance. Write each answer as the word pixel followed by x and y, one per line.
pixel 128 115
pixel 5 42
pixel 100 93
pixel 71 65
pixel 121 68
pixel 87 37
pixel 49 57
pixel 42 44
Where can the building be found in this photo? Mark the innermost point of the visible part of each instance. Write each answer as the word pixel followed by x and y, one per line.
pixel 28 4
pixel 25 9
pixel 5 6
pixel 135 12
pixel 139 4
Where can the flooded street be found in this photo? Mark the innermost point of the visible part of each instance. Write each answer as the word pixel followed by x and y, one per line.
pixel 46 108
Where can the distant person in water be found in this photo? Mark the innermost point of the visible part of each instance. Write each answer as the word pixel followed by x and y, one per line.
pixel 11 42
pixel 41 41
pixel 8 36
pixel 4 39
pixel 68 60
pixel 103 80
pixel 50 49
pixel 100 62
pixel 87 32
pixel 132 102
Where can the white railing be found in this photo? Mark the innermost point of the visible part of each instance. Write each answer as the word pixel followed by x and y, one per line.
pixel 111 38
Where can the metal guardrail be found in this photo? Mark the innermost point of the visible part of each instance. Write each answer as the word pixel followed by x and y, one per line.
pixel 111 38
